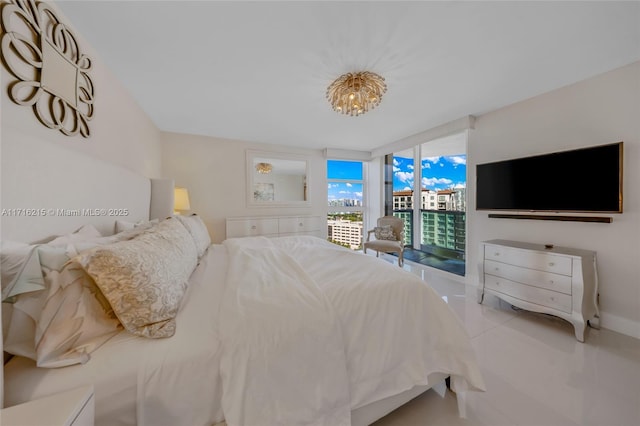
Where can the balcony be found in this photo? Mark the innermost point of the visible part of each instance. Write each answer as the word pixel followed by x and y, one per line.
pixel 442 242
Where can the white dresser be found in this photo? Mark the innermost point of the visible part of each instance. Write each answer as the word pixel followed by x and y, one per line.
pixel 560 281
pixel 276 226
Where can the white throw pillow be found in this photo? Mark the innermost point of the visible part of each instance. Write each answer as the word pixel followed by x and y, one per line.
pixel 84 233
pixel 198 231
pixel 65 321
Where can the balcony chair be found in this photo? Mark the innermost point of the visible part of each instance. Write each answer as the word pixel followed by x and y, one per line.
pixel 389 237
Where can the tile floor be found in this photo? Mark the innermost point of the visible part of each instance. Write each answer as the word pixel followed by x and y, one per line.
pixel 535 371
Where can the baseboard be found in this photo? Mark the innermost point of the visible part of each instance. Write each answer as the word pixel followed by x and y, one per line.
pixel 620 325
pixel 609 321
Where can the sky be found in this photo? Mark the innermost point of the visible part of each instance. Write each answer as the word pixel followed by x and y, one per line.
pixel 437 173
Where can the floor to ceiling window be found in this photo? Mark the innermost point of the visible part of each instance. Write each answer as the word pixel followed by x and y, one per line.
pixel 426 186
pixel 345 200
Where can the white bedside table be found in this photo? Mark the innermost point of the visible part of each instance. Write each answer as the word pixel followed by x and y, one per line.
pixel 71 408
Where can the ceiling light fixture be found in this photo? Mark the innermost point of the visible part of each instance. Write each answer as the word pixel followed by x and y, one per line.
pixel 356 93
pixel 264 168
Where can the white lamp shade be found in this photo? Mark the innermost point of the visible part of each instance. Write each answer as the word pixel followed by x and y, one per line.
pixel 181 199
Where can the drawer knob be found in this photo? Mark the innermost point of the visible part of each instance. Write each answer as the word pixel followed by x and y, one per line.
pixel 497 254
pixel 254 227
pixel 551 264
pixel 551 282
pixel 496 269
pixel 552 298
pixel 300 224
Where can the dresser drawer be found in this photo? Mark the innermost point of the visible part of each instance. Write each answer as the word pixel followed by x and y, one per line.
pixel 539 296
pixel 298 225
pixel 548 280
pixel 251 227
pixel 529 259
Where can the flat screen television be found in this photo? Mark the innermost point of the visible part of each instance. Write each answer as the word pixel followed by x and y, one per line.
pixel 585 180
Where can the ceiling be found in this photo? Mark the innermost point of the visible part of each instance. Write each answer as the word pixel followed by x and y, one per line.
pixel 258 71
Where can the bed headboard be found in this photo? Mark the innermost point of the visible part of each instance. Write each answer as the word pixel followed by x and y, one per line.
pixel 42 197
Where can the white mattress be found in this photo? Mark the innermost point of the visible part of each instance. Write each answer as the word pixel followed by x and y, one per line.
pixel 147 381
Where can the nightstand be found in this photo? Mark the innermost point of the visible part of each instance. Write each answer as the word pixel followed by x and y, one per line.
pixel 71 408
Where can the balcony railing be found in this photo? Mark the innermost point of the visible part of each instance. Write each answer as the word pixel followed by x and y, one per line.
pixel 441 232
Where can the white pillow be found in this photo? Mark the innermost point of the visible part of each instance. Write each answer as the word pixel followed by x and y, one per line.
pixel 84 233
pixel 123 225
pixel 63 323
pixel 198 231
pixel 13 261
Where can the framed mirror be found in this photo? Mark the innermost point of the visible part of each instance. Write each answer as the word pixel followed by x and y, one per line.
pixel 277 179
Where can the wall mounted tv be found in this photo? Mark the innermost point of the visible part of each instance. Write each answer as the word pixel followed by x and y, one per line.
pixel 580 180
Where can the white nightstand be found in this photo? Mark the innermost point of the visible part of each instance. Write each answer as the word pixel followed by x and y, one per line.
pixel 75 407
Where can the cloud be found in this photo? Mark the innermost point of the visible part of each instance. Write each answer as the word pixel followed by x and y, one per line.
pixel 460 185
pixel 410 166
pixel 407 188
pixel 396 162
pixel 457 160
pixel 436 182
pixel 426 166
pixel 433 160
pixel 404 176
pixel 349 185
pixel 333 185
pixel 358 194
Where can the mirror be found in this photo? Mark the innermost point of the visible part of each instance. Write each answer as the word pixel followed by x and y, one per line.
pixel 277 179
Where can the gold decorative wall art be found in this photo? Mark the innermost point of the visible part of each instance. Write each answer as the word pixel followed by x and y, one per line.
pixel 52 73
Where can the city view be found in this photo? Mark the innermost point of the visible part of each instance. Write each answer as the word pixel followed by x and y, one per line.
pixel 441 202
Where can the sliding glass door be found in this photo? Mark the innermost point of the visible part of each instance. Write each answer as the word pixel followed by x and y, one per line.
pixel 426 186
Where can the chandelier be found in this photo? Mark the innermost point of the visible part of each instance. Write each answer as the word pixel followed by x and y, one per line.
pixel 264 168
pixel 356 93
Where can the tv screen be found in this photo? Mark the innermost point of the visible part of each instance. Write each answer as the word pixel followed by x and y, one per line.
pixel 580 180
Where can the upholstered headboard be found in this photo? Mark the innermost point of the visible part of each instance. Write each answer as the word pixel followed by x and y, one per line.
pixel 42 198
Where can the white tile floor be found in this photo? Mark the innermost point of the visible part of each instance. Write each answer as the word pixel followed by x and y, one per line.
pixel 535 371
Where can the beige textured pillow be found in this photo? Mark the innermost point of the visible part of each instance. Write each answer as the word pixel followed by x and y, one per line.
pixel 384 232
pixel 145 278
pixel 198 231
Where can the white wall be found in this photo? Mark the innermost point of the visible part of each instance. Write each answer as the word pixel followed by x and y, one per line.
pixel 213 170
pixel 121 132
pixel 600 110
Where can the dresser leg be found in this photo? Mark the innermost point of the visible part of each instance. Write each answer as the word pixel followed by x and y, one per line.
pixel 579 327
pixel 594 323
pixel 480 294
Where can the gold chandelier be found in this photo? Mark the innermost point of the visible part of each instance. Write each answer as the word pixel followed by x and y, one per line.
pixel 356 93
pixel 264 168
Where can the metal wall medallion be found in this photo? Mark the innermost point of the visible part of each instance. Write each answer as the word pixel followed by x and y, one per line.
pixel 51 71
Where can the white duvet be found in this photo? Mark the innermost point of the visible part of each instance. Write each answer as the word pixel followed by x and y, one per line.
pixel 311 330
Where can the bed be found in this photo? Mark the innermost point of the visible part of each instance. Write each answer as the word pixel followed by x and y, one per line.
pixel 357 329
pixel 287 330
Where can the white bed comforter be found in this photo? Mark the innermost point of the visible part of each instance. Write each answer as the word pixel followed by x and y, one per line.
pixel 311 330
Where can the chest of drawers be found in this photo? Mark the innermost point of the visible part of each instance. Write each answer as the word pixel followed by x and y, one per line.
pixel 275 226
pixel 559 281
